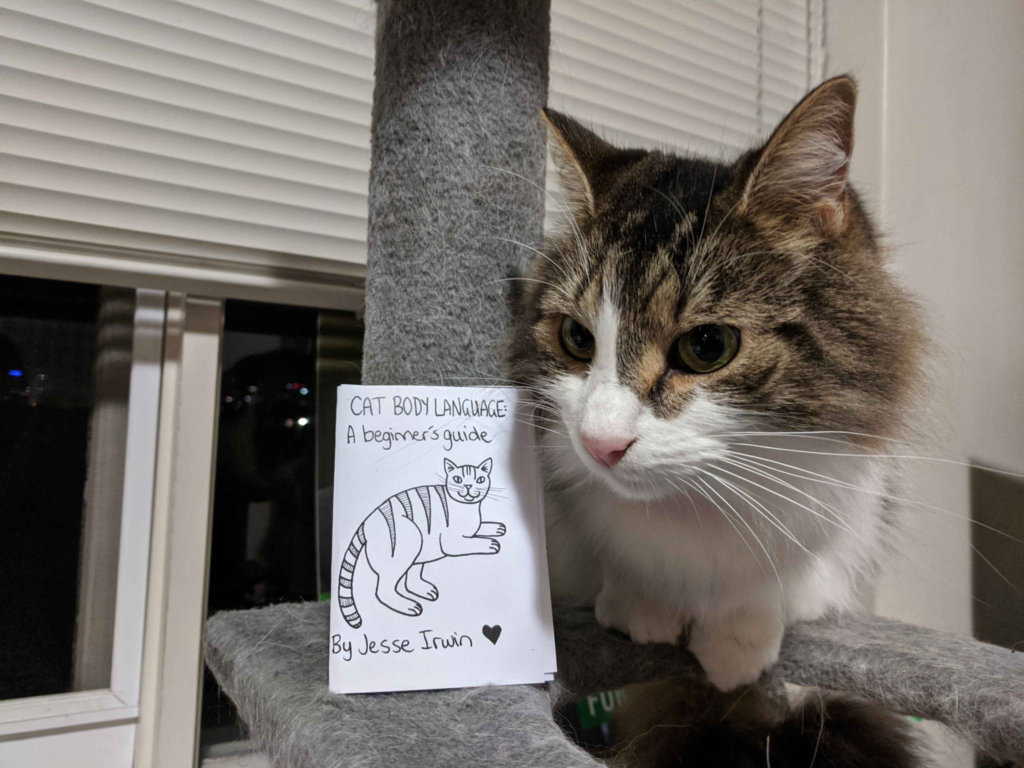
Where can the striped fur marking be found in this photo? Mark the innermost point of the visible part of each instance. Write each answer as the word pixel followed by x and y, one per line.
pixel 403 499
pixel 346 600
pixel 389 516
pixel 424 494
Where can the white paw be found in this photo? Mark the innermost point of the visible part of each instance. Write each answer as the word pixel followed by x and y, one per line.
pixel 643 621
pixel 494 547
pixel 735 653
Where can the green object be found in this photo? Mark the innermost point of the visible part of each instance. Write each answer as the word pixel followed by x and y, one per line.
pixel 324 597
pixel 598 709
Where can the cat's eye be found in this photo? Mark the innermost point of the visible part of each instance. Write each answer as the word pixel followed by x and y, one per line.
pixel 457 479
pixel 706 348
pixel 577 341
pixel 480 480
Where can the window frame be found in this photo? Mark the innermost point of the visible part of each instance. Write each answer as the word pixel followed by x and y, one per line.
pixel 120 701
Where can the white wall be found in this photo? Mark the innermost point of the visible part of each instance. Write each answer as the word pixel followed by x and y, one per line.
pixel 941 153
pixel 954 200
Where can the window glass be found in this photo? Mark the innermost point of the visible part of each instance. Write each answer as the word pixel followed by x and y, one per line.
pixel 65 367
pixel 280 366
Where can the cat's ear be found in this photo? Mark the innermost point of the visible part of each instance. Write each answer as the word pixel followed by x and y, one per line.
pixel 485 466
pixel 449 465
pixel 580 155
pixel 801 173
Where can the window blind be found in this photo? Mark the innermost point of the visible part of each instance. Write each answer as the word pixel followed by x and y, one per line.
pixel 233 135
pixel 231 132
pixel 685 75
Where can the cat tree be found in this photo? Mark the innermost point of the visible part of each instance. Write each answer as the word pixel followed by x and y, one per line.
pixel 457 165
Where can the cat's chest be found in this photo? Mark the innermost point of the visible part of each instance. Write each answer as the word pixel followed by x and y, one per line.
pixel 684 536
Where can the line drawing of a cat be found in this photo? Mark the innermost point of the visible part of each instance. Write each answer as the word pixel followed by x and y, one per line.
pixel 417 526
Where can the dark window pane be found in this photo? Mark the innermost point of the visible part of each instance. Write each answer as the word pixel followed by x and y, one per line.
pixel 264 540
pixel 339 361
pixel 65 364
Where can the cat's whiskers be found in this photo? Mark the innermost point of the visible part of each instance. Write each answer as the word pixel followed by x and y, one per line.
pixel 839 521
pixel 707 207
pixel 545 429
pixel 813 434
pixel 902 552
pixel 752 467
pixel 771 562
pixel 686 493
pixel 556 288
pixel 560 267
pixel 826 480
pixel 744 538
pixel 578 235
pixel 761 509
pixel 908 457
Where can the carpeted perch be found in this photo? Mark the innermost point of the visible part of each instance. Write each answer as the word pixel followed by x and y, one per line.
pixel 273 665
pixel 457 168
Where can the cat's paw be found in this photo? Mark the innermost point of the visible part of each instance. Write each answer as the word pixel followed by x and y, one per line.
pixel 644 621
pixel 499 529
pixel 400 604
pixel 493 547
pixel 415 609
pixel 736 651
pixel 422 588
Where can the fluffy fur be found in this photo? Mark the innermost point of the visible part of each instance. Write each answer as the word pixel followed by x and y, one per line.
pixel 670 726
pixel 750 497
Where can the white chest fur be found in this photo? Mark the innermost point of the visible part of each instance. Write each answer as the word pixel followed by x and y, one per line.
pixel 802 541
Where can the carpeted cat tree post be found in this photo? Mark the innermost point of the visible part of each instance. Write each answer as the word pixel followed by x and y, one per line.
pixel 457 163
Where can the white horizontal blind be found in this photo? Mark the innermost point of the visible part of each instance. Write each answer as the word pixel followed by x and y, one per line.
pixel 685 75
pixel 236 132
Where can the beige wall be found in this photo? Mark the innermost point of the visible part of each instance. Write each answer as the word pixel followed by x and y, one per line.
pixel 941 154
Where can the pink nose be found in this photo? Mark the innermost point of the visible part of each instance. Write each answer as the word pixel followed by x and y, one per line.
pixel 607 453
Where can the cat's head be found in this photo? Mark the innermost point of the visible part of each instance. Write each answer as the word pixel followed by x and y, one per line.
pixel 691 303
pixel 467 484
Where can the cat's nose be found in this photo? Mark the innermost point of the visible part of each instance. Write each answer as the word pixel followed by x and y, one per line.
pixel 606 452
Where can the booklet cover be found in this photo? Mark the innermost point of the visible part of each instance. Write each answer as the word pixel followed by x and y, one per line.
pixel 439 562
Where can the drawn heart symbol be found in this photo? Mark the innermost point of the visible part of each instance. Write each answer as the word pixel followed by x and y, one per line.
pixel 492 633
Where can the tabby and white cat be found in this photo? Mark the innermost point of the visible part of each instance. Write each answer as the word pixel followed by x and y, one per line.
pixel 721 359
pixel 418 526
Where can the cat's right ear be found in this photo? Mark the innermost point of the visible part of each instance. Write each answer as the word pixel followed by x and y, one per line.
pixel 580 155
pixel 449 465
pixel 802 171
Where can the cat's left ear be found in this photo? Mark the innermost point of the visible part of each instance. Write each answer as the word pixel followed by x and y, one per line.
pixel 485 466
pixel 802 171
pixel 449 465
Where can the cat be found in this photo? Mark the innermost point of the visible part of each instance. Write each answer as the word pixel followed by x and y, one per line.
pixel 405 530
pixel 720 360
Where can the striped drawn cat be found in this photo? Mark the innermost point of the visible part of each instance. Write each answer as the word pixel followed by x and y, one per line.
pixel 406 530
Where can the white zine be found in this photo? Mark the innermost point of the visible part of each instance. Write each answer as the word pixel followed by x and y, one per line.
pixel 439 562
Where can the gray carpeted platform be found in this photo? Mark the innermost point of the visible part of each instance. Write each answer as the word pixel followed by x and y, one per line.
pixel 273 665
